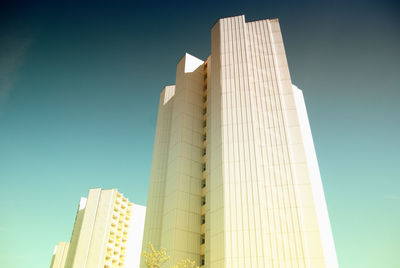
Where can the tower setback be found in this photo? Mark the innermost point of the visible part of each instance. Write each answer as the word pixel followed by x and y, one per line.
pixel 235 179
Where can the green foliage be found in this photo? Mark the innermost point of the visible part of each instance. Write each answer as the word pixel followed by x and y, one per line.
pixel 185 264
pixel 156 258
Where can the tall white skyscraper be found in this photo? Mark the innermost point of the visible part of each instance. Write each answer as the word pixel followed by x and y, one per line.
pixel 235 179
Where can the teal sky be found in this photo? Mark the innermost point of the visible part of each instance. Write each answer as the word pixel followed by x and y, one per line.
pixel 79 89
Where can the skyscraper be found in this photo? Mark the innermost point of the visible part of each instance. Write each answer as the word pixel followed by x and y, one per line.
pixel 235 179
pixel 108 232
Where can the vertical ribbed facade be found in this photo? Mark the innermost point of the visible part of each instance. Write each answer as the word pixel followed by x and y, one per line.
pixel 259 195
pixel 59 255
pixel 156 194
pixel 173 208
pixel 105 233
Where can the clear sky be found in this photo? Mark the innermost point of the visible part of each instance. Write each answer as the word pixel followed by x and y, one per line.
pixel 79 89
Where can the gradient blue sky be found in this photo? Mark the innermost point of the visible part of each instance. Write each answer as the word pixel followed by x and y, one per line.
pixel 79 89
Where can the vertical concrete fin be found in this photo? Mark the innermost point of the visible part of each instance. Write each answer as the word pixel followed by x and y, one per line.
pixel 316 182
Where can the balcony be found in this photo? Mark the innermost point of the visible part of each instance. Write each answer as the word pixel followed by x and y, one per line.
pixel 202 247
pixel 203 210
pixel 204 159
pixel 203 192
pixel 203 229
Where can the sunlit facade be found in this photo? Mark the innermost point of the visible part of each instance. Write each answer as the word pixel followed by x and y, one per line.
pixel 59 255
pixel 235 179
pixel 108 232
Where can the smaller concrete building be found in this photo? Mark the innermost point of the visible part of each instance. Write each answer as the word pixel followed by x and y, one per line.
pixel 59 255
pixel 108 232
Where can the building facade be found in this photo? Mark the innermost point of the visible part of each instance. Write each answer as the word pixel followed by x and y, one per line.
pixel 108 232
pixel 235 179
pixel 59 255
